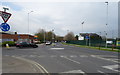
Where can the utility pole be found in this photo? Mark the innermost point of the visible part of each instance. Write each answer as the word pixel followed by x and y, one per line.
pixel 89 41
pixel 106 22
pixel 82 26
pixel 28 25
pixel 52 35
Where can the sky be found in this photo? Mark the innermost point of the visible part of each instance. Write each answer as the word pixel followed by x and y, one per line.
pixel 63 17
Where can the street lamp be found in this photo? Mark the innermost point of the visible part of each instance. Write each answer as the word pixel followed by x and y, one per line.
pixel 106 22
pixel 82 26
pixel 52 35
pixel 28 23
pixel 106 38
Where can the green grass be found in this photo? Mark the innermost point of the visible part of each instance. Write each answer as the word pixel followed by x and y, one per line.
pixel 94 48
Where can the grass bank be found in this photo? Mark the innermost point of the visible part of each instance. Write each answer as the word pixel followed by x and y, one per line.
pixel 94 48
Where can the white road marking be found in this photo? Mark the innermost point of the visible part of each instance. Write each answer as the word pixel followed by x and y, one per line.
pixel 40 67
pixel 83 56
pixel 71 60
pixel 112 67
pixel 6 55
pixel 96 56
pixel 100 71
pixel 62 56
pixel 72 56
pixel 56 48
pixel 41 56
pixel 32 56
pixel 74 71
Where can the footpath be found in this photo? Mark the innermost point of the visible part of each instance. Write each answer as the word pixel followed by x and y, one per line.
pixel 14 65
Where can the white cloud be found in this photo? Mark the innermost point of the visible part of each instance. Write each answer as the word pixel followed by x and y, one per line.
pixel 62 16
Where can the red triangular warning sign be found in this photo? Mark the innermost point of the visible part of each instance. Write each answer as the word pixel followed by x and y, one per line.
pixel 5 16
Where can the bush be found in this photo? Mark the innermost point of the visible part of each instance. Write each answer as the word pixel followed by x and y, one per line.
pixel 10 43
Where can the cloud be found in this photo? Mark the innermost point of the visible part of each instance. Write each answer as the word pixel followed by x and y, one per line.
pixel 63 16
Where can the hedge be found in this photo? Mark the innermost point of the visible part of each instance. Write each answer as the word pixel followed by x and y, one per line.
pixel 10 43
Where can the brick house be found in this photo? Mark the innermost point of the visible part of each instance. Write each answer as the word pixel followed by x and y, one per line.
pixel 15 37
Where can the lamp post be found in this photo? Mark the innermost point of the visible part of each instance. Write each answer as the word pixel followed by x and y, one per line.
pixel 28 24
pixel 82 26
pixel 44 37
pixel 106 22
pixel 106 39
pixel 52 35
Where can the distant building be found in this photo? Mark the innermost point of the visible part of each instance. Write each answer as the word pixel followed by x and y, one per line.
pixel 15 37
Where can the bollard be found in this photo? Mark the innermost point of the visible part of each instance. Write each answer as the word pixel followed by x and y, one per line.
pixel 7 46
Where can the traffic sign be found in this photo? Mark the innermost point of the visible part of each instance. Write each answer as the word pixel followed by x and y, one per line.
pixel 4 27
pixel 5 16
pixel 87 37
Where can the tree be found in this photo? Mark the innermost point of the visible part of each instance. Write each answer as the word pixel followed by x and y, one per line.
pixel 43 35
pixel 69 36
pixel 40 34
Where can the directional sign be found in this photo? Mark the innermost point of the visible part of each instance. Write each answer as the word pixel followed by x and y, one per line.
pixel 5 16
pixel 4 27
pixel 87 37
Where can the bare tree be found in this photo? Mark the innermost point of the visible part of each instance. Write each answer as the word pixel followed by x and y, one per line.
pixel 69 36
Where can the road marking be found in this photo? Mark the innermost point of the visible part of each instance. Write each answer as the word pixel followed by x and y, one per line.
pixel 71 60
pixel 56 48
pixel 74 71
pixel 100 71
pixel 41 56
pixel 96 56
pixel 40 67
pixel 83 56
pixel 112 67
pixel 72 56
pixel 32 55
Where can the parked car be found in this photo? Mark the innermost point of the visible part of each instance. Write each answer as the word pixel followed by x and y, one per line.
pixel 26 44
pixel 48 43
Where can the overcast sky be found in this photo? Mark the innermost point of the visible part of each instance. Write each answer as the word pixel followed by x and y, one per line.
pixel 63 16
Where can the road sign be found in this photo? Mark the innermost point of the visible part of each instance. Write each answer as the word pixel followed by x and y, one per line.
pixel 4 27
pixel 87 37
pixel 5 16
pixel 118 43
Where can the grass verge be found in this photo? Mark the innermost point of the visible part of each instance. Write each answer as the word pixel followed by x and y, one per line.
pixel 101 48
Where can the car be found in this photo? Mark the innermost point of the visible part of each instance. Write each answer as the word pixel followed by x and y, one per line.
pixel 26 44
pixel 48 43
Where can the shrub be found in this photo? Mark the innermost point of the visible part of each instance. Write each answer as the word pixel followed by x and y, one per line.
pixel 10 43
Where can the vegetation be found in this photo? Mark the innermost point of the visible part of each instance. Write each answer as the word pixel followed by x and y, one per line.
pixel 43 36
pixel 10 43
pixel 69 36
pixel 94 48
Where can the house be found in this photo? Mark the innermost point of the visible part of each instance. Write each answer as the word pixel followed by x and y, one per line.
pixel 15 37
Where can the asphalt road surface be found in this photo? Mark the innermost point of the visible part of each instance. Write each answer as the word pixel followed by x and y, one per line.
pixel 67 59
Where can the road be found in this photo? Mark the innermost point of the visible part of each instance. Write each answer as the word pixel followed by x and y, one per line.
pixel 68 59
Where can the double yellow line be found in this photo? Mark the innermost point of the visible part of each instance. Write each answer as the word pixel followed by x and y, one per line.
pixel 40 67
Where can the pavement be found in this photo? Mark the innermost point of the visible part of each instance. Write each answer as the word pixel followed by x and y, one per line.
pixel 17 65
pixel 67 59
